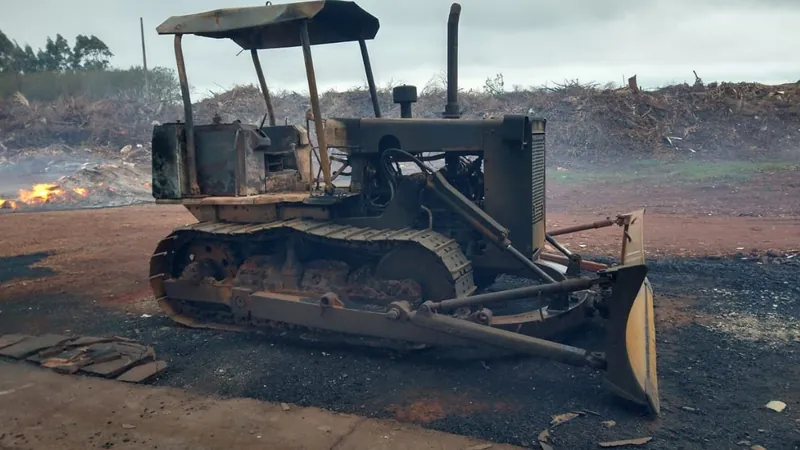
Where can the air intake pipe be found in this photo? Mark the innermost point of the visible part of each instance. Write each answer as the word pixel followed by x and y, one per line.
pixel 452 110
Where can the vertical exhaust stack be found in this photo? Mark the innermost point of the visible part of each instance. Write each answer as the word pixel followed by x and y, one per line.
pixel 452 110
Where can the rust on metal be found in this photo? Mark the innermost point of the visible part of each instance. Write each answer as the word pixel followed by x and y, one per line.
pixel 397 257
pixel 590 266
pixel 188 118
pixel 452 109
pixel 278 26
pixel 631 336
pixel 325 164
pixel 577 284
pixel 588 226
pixel 373 93
pixel 263 83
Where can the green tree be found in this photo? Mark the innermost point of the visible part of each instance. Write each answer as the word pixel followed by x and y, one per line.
pixel 56 56
pixel 6 54
pixel 24 60
pixel 90 53
pixel 82 69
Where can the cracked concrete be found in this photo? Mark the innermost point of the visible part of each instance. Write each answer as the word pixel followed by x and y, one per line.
pixel 44 410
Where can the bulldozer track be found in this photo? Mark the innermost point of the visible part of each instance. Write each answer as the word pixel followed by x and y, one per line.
pixel 369 241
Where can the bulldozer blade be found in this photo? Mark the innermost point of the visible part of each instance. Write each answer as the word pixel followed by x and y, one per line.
pixel 631 347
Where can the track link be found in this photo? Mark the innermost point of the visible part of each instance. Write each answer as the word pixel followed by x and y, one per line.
pixel 164 263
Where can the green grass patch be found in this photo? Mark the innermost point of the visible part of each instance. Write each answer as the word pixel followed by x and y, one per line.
pixel 657 171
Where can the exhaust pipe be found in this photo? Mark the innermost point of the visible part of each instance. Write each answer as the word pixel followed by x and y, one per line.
pixel 452 110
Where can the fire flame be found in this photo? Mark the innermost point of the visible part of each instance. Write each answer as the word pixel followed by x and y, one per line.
pixel 42 193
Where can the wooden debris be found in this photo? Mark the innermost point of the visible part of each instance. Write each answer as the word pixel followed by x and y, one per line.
pixel 544 439
pixel 560 419
pixel 89 340
pixel 633 85
pixel 624 442
pixel 544 436
pixel 776 405
pixel 593 120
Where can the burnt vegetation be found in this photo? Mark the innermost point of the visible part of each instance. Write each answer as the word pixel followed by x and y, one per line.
pixel 69 94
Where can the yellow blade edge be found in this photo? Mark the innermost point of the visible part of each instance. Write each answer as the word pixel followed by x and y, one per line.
pixel 631 347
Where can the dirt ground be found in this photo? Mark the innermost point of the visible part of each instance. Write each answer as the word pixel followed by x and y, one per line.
pixel 727 311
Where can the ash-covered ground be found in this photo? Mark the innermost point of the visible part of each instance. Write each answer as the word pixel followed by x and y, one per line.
pixel 59 177
pixel 727 327
pixel 727 344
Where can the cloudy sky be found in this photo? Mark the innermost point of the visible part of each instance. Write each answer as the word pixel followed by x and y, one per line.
pixel 531 42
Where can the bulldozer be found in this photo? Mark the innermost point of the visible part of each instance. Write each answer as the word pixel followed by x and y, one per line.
pixel 384 230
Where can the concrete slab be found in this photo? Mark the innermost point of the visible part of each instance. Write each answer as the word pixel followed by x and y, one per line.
pixel 30 346
pixel 143 372
pixel 53 411
pixel 11 339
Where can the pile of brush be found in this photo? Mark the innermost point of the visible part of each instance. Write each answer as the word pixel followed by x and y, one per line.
pixel 585 121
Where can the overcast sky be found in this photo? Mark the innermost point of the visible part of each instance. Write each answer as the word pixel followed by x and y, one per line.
pixel 531 42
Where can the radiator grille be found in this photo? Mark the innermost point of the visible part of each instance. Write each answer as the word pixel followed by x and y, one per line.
pixel 537 177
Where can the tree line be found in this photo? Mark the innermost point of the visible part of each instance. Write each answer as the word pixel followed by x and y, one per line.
pixel 81 68
pixel 87 53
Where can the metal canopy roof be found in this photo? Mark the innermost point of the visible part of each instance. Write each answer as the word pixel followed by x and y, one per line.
pixel 278 26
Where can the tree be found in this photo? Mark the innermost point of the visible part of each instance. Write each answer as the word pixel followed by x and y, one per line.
pixel 56 56
pixel 6 53
pixel 82 68
pixel 496 86
pixel 90 53
pixel 16 59
pixel 25 60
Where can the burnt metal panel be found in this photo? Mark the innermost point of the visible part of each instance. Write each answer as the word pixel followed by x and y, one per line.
pixel 169 180
pixel 282 138
pixel 278 26
pixel 217 159
pixel 513 168
pixel 538 176
pixel 230 160
pixel 413 135
pixel 289 149
pixel 538 180
pixel 508 183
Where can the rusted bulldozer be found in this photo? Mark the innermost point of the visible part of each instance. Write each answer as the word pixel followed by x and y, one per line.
pixel 389 229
